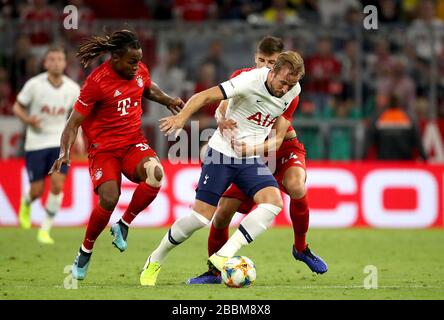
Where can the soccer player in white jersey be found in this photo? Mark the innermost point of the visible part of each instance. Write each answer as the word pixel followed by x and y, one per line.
pixel 43 105
pixel 257 98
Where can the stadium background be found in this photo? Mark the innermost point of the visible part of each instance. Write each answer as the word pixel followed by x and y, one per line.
pixel 192 45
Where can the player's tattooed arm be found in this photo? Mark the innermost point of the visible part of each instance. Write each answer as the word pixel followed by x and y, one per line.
pixel 69 136
pixel 273 143
pixel 170 124
pixel 156 94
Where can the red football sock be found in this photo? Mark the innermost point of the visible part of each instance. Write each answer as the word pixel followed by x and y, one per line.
pixel 142 197
pixel 299 214
pixel 217 239
pixel 97 222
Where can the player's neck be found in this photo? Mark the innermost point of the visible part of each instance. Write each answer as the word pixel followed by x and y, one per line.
pixel 55 81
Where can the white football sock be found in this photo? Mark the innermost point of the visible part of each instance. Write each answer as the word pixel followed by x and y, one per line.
pixel 53 204
pixel 254 224
pixel 27 198
pixel 181 230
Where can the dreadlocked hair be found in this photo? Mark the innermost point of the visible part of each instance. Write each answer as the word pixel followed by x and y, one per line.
pixel 96 46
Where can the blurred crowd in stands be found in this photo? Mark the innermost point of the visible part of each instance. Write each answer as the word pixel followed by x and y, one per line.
pixel 350 76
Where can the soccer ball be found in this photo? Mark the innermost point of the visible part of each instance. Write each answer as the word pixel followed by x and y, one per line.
pixel 238 272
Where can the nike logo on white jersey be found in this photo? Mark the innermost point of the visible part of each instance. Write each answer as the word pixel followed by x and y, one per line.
pixel 117 93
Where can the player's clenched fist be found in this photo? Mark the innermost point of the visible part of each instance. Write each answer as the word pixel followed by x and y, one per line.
pixel 63 159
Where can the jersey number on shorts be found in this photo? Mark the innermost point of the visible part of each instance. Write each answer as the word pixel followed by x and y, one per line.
pixel 143 146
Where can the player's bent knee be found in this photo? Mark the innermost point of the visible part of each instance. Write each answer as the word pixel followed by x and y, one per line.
pixel 296 188
pixel 154 173
pixel 108 200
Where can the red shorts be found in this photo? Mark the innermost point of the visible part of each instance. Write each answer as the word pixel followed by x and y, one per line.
pixel 290 154
pixel 109 165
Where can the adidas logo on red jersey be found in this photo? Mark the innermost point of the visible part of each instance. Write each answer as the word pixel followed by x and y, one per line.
pixel 117 93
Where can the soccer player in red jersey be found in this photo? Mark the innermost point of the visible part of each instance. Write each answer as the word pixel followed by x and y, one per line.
pixel 109 110
pixel 290 173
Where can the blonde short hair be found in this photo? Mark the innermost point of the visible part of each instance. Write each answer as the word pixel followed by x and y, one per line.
pixel 291 60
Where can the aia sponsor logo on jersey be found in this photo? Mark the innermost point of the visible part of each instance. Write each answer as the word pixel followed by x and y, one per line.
pixel 262 120
pixel 139 81
pixel 53 111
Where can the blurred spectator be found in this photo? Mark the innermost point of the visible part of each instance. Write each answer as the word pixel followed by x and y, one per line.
pixel 194 10
pixel 238 9
pixel 409 9
pixel 280 12
pixel 206 80
pixel 398 83
pixel 378 62
pixel 120 9
pixel 334 11
pixel 389 11
pixel 169 73
pixel 308 10
pixel 395 134
pixel 349 68
pixel 8 9
pixel 6 97
pixel 21 62
pixel 38 20
pixel 323 72
pixel 341 137
pixel 215 57
pixel 426 32
pixel 162 9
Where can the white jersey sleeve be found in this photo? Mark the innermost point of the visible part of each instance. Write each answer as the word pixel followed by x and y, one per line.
pixel 238 86
pixel 51 105
pixel 26 95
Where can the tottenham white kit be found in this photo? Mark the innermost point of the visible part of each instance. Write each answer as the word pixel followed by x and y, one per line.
pixel 52 105
pixel 253 107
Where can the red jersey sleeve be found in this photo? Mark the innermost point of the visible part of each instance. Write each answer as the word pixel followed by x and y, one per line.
pixel 89 95
pixel 148 81
pixel 288 114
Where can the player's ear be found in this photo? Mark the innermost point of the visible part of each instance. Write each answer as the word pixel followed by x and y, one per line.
pixel 115 57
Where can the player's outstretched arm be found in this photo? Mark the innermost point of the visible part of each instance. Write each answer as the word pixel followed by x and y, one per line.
pixel 170 124
pixel 273 143
pixel 156 94
pixel 69 135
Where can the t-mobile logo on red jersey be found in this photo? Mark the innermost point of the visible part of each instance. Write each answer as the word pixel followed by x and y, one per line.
pixel 123 105
pixel 262 120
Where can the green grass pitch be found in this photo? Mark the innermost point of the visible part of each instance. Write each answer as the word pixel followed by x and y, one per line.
pixel 409 266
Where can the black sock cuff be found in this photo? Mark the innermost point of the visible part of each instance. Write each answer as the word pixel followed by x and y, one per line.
pixel 171 239
pixel 245 233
